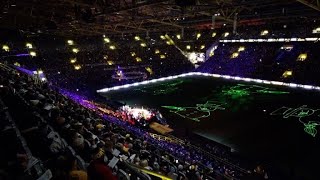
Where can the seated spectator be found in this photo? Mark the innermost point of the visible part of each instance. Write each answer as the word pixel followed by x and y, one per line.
pixel 98 169
pixel 74 172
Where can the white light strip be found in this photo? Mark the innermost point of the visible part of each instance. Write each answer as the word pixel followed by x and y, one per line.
pixel 236 78
pixel 272 40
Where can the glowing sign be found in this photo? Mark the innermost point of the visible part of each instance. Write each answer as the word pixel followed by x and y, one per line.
pixel 305 115
pixel 245 90
pixel 198 112
pixel 164 88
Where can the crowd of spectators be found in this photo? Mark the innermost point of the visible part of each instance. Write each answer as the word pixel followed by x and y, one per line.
pixel 71 139
pixel 74 141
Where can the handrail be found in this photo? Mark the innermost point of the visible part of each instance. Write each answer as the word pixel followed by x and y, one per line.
pixel 150 172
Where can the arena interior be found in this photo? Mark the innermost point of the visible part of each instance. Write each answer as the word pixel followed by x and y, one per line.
pixel 159 89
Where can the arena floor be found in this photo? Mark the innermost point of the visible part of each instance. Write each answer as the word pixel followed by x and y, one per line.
pixel 275 125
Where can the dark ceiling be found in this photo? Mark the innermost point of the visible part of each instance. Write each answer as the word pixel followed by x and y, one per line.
pixel 96 17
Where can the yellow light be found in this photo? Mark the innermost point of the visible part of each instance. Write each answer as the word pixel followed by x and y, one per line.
pixel 29 45
pixel 318 29
pixel 234 55
pixel 198 35
pixel 162 37
pixel 157 51
pixel 17 64
pixel 112 47
pixel 138 59
pixel 302 57
pixel 70 42
pixel 75 50
pixel 137 38
pixel 133 54
pixel 213 34
pixel 73 60
pixel 107 40
pixel 77 67
pixel 149 70
pixel 105 56
pixel 202 46
pixel 241 48
pixel 162 56
pixel 287 73
pixel 5 48
pixel 211 53
pixel 162 177
pixel 226 34
pixel 40 72
pixel 33 54
pixel 264 32
pixel 143 44
pixel 188 47
pixel 178 36
pixel 170 42
pixel 110 63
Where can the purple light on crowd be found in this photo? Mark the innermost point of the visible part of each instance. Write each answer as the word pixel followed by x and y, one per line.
pixel 78 99
pixel 27 71
pixel 21 55
pixel 180 151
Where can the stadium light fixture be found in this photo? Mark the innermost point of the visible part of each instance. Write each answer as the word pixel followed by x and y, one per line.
pixel 302 57
pixel 241 48
pixel 137 38
pixel 287 74
pixel 33 54
pixel 77 67
pixel 70 42
pixel 198 35
pixel 234 55
pixel 73 60
pixel 6 48
pixel 106 40
pixel 264 32
pixel 29 45
pixel 138 59
pixel 75 50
